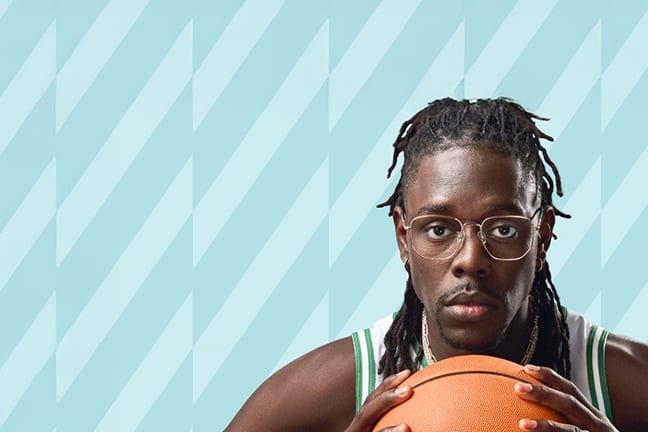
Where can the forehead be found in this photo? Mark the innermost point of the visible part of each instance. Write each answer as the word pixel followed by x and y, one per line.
pixel 469 183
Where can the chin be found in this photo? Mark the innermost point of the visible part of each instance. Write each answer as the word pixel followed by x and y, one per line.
pixel 467 340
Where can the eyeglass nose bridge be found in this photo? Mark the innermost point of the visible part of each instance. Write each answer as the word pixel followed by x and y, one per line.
pixel 462 235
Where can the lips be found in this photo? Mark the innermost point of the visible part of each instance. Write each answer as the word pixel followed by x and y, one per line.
pixel 470 306
pixel 470 298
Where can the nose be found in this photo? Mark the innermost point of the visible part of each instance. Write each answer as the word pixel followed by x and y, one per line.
pixel 471 258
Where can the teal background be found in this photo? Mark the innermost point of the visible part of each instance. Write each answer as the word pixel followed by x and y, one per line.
pixel 188 189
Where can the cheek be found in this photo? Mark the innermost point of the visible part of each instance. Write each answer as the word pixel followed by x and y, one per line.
pixel 427 281
pixel 520 282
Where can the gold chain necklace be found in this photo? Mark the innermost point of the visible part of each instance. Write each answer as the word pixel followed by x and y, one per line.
pixel 526 358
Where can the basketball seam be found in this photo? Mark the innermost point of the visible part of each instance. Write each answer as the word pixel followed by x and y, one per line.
pixel 427 380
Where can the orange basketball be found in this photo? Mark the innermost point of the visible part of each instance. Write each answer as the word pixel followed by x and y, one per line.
pixel 466 393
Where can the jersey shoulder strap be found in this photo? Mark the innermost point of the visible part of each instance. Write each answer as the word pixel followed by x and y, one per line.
pixel 369 346
pixel 587 355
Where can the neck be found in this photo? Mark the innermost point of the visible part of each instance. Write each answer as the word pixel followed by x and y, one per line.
pixel 517 343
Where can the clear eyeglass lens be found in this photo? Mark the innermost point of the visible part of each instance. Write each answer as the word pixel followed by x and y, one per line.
pixel 504 237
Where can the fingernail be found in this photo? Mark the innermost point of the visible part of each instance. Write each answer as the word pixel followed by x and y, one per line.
pixel 523 387
pixel 528 424
pixel 403 372
pixel 401 390
pixel 399 428
pixel 531 368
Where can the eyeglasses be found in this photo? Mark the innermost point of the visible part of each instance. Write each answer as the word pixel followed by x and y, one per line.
pixel 505 238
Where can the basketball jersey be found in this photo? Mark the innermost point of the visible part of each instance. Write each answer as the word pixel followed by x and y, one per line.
pixel 587 355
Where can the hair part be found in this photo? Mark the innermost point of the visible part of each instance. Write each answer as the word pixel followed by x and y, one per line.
pixel 502 125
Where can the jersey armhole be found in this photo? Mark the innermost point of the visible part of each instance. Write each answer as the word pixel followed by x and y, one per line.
pixel 365 365
pixel 596 376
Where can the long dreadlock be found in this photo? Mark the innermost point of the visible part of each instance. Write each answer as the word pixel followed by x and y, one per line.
pixel 505 126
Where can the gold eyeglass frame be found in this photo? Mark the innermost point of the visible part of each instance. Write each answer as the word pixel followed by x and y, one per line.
pixel 461 235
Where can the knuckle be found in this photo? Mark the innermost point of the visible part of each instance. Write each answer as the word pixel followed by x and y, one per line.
pixel 390 381
pixel 572 403
pixel 571 388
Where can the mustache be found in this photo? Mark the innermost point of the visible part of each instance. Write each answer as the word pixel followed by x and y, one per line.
pixel 468 288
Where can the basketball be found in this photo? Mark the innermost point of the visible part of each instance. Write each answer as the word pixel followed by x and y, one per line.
pixel 466 393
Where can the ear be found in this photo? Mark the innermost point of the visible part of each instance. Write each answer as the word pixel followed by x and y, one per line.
pixel 546 228
pixel 398 217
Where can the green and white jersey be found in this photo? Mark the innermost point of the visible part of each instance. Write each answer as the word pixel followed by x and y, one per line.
pixel 587 355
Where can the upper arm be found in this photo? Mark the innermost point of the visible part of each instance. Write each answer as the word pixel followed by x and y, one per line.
pixel 314 392
pixel 626 369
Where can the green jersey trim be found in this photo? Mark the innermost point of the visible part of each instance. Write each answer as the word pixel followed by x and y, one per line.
pixel 358 369
pixel 596 377
pixel 372 361
pixel 602 377
pixel 590 366
pixel 365 376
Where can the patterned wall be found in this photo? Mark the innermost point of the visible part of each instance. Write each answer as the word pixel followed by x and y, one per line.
pixel 188 188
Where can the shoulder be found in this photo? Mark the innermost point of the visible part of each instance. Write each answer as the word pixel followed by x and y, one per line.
pixel 319 388
pixel 626 368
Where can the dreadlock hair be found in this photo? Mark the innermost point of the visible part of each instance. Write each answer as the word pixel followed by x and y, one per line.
pixel 505 126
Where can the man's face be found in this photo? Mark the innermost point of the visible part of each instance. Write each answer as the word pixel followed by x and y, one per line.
pixel 471 299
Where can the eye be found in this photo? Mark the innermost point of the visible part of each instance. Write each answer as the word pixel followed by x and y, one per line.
pixel 440 230
pixel 503 230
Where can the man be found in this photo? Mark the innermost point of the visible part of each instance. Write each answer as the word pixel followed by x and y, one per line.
pixel 474 217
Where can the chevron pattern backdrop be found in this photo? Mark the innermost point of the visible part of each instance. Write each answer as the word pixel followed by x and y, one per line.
pixel 188 189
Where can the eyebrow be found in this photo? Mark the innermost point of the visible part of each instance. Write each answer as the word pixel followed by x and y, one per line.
pixel 446 209
pixel 510 207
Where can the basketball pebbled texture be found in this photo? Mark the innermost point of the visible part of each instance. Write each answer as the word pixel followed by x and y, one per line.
pixel 466 393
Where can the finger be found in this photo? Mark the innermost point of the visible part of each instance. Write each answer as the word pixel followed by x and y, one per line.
pixel 564 403
pixel 372 410
pixel 393 381
pixel 398 428
pixel 389 383
pixel 551 378
pixel 531 425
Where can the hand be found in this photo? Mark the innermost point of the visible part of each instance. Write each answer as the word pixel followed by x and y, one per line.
pixel 564 397
pixel 387 395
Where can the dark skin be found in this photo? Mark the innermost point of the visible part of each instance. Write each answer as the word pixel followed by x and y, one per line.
pixel 317 391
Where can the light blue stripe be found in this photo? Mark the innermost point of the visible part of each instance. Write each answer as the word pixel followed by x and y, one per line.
pixel 365 52
pixel 124 280
pixel 4 5
pixel 92 53
pixel 577 81
pixel 313 334
pixel 27 223
pixel 27 359
pixel 259 145
pixel 122 147
pixel 229 52
pixel 264 274
pixel 585 206
pixel 505 47
pixel 383 297
pixel 634 317
pixel 154 373
pixel 624 207
pixel 624 71
pixel 28 86
pixel 365 188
